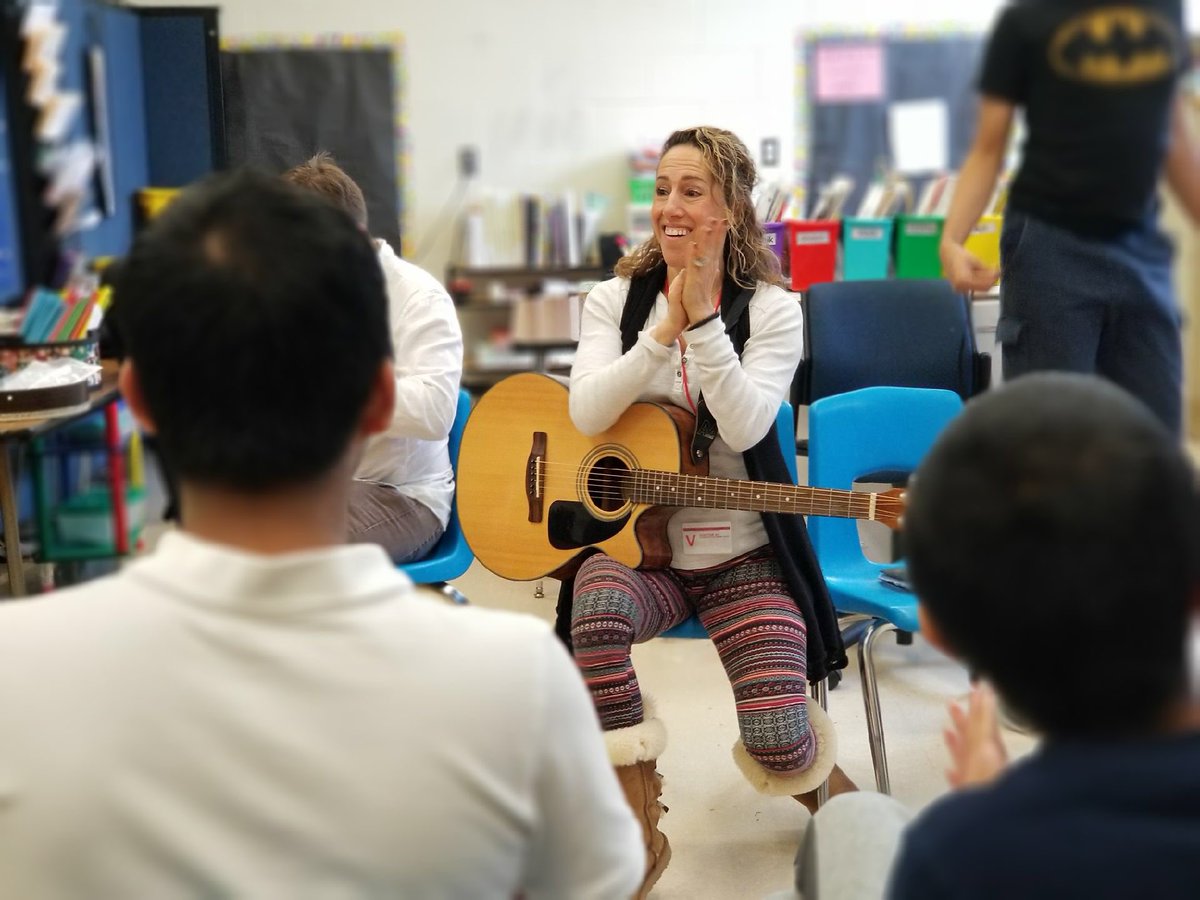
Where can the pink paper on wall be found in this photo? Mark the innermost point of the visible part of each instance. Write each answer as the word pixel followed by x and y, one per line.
pixel 849 73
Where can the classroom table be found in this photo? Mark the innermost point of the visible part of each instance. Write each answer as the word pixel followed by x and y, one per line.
pixel 23 429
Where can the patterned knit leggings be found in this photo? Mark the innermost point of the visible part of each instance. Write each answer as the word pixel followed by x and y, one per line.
pixel 754 623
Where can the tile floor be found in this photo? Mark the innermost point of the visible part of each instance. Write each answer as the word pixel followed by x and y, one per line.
pixel 727 840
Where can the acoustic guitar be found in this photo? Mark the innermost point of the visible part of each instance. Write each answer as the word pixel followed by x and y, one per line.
pixel 534 493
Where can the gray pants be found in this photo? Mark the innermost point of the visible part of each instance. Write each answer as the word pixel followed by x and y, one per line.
pixel 1093 305
pixel 379 514
pixel 848 848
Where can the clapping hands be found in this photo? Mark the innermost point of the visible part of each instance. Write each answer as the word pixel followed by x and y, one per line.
pixel 696 289
pixel 977 755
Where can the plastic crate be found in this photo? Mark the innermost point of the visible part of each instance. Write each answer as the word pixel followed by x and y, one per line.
pixel 812 252
pixel 153 200
pixel 641 191
pixel 866 248
pixel 775 235
pixel 917 240
pixel 984 240
pixel 87 518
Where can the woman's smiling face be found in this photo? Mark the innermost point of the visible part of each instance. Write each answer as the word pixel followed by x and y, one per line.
pixel 685 198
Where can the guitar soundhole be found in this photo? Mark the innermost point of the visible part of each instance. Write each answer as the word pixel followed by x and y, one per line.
pixel 606 482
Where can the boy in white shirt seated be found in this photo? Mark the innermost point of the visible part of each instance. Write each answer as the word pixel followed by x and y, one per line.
pixel 404 487
pixel 257 709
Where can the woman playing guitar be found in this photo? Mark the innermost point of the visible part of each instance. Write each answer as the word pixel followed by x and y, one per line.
pixel 696 317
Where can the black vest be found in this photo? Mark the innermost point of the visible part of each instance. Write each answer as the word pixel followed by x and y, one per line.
pixel 788 535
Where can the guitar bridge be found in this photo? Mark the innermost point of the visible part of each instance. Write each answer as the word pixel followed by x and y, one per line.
pixel 535 477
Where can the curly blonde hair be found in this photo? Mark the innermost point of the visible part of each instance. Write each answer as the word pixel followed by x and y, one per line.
pixel 747 258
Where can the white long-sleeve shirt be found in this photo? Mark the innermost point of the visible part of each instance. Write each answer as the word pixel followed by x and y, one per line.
pixel 744 396
pixel 305 726
pixel 427 341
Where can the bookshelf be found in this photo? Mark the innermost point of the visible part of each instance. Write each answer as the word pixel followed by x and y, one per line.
pixel 486 298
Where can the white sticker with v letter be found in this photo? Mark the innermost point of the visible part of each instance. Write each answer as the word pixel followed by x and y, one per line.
pixel 708 537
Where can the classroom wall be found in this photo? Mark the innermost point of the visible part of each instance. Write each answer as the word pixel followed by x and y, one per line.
pixel 556 95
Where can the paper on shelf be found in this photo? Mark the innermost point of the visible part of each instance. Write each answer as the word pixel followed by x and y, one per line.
pixel 58 115
pixel 69 169
pixel 39 14
pixel 849 73
pixel 48 373
pixel 44 46
pixel 919 132
pixel 43 84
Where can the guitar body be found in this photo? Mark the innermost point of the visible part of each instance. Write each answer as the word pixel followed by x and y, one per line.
pixel 534 493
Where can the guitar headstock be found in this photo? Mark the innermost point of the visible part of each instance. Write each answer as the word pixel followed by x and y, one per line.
pixel 889 508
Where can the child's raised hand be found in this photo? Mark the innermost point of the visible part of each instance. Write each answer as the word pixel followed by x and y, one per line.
pixel 977 754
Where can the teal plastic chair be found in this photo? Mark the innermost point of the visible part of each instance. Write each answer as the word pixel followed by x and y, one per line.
pixel 856 434
pixel 785 428
pixel 450 557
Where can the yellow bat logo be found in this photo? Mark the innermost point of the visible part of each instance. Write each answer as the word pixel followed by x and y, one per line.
pixel 1116 46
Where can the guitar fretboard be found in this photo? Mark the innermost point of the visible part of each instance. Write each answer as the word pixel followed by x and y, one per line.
pixel 708 492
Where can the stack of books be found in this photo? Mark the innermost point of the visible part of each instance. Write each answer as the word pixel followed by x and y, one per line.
pixel 886 199
pixel 832 198
pixel 772 202
pixel 935 196
pixel 51 317
pixel 938 192
pixel 556 231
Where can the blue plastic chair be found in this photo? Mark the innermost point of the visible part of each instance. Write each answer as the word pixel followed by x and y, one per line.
pixel 450 556
pixel 851 435
pixel 900 332
pixel 785 428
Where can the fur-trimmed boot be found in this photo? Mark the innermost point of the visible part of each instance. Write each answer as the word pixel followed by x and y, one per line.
pixel 634 752
pixel 802 786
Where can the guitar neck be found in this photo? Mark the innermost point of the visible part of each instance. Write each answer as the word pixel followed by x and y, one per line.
pixel 708 492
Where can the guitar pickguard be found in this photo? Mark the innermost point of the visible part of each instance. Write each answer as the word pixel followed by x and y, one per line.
pixel 571 527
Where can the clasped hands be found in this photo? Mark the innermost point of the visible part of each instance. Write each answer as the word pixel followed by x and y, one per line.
pixel 696 289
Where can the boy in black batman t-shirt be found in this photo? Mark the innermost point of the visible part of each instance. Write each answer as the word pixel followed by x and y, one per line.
pixel 1087 273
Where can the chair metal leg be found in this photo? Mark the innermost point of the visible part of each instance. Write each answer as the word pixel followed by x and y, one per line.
pixel 866 669
pixel 456 596
pixel 820 694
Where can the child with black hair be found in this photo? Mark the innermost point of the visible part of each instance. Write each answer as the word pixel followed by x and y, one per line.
pixel 1053 537
pixel 257 709
pixel 1086 271
pixel 112 346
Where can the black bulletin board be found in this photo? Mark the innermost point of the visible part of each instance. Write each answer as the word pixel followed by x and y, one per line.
pixel 851 136
pixel 283 104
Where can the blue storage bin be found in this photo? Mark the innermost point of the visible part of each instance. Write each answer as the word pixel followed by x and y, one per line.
pixel 866 248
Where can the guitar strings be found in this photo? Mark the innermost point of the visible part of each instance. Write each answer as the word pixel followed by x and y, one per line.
pixel 612 482
pixel 626 476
